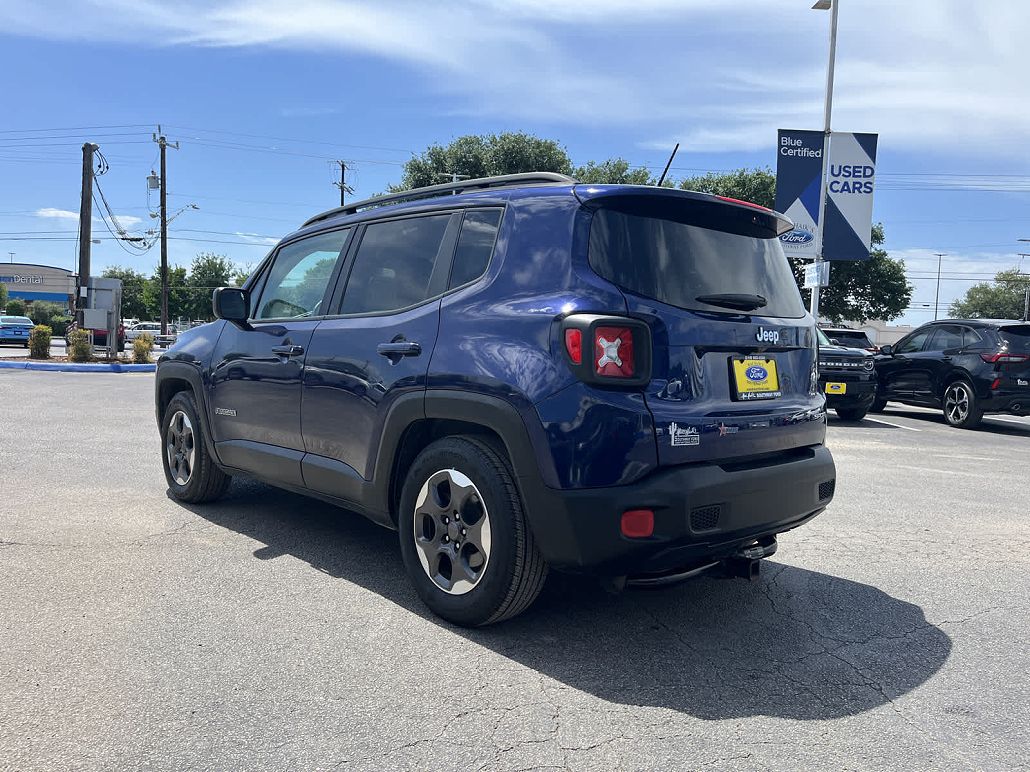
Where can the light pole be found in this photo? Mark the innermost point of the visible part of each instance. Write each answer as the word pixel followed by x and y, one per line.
pixel 831 6
pixel 937 297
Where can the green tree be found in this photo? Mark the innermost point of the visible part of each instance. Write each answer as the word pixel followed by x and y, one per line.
pixel 859 290
pixel 16 307
pixel 134 305
pixel 3 295
pixel 208 272
pixel 1004 298
pixel 178 293
pixel 484 155
pixel 44 312
pixel 614 171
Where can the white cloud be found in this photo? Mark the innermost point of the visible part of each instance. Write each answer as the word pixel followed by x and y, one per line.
pixel 253 238
pixel 931 75
pixel 57 214
pixel 125 220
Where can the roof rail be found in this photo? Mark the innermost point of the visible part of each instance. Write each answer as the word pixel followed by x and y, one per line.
pixel 501 181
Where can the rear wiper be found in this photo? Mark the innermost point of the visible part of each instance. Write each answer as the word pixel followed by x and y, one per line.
pixel 741 302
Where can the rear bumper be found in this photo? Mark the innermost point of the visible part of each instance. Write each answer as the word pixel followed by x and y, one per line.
pixel 1015 402
pixel 701 511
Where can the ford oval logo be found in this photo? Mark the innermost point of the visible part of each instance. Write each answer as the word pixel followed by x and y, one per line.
pixel 797 236
pixel 756 373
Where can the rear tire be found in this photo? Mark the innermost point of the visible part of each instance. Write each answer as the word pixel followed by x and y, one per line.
pixel 961 406
pixel 487 572
pixel 191 472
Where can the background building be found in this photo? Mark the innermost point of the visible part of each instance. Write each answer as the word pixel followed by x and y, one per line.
pixel 27 281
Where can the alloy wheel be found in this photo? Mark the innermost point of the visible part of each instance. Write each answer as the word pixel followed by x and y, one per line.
pixel 452 531
pixel 956 403
pixel 180 448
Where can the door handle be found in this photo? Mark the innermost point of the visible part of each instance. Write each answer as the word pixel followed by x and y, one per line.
pixel 401 348
pixel 288 351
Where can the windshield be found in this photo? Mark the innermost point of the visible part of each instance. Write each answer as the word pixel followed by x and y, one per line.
pixel 850 336
pixel 691 267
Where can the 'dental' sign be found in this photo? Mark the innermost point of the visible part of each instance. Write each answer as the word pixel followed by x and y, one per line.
pixel 851 171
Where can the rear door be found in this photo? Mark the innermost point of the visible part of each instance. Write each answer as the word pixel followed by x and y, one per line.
pixel 256 372
pixel 734 349
pixel 376 346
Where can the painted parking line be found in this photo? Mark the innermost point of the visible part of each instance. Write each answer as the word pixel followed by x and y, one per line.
pixel 1009 420
pixel 888 423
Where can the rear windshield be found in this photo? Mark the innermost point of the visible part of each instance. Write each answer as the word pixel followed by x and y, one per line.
pixel 15 320
pixel 1016 337
pixel 675 263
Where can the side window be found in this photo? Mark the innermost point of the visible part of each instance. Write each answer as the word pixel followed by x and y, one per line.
pixel 475 245
pixel 298 277
pixel 970 337
pixel 913 342
pixel 393 267
pixel 945 338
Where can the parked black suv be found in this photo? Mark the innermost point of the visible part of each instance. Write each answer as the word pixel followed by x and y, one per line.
pixel 967 367
pixel 847 378
pixel 517 374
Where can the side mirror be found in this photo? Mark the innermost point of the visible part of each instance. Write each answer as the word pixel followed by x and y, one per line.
pixel 887 350
pixel 834 341
pixel 231 304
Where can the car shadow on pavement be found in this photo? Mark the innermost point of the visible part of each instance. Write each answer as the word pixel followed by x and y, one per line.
pixel 1003 426
pixel 795 643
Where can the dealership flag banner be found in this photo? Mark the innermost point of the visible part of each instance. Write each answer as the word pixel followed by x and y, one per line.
pixel 849 196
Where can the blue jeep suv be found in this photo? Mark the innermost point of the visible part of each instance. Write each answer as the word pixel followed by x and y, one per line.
pixel 518 374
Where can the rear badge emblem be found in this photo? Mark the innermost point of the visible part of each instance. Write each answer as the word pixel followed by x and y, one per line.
pixel 683 435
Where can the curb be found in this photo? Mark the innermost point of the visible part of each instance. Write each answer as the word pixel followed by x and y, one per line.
pixel 78 367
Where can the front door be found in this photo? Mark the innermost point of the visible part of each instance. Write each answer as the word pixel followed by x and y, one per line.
pixel 256 372
pixel 897 373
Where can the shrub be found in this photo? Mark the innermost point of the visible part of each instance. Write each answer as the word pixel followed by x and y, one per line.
pixel 79 349
pixel 59 325
pixel 16 307
pixel 142 346
pixel 44 312
pixel 39 342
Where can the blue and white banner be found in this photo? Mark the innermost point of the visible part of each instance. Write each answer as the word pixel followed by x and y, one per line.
pixel 849 197
pixel 799 168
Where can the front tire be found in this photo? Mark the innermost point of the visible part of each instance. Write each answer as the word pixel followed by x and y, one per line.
pixel 463 534
pixel 191 472
pixel 878 405
pixel 852 412
pixel 961 406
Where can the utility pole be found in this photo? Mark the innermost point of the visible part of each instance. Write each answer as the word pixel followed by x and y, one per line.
pixel 85 227
pixel 163 144
pixel 822 5
pixel 937 297
pixel 342 184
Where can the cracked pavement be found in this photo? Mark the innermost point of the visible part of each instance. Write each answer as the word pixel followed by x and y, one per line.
pixel 273 631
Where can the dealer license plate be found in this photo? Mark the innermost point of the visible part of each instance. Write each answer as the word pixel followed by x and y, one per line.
pixel 836 388
pixel 756 378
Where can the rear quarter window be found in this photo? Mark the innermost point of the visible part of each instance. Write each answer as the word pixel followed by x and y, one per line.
pixel 676 263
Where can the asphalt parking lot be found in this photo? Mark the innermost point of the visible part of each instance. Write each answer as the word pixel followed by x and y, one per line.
pixel 273 631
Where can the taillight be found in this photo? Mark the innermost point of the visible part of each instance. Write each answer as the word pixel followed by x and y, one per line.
pixel 1002 357
pixel 607 350
pixel 613 352
pixel 574 345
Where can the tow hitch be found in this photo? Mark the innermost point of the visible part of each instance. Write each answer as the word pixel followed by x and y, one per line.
pixel 745 562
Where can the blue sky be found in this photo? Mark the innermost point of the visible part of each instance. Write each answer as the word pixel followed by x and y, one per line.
pixel 263 95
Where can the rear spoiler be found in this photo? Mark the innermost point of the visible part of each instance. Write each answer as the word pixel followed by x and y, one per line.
pixel 689 207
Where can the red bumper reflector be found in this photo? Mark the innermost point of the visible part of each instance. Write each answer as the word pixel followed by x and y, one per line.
pixel 637 523
pixel 574 345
